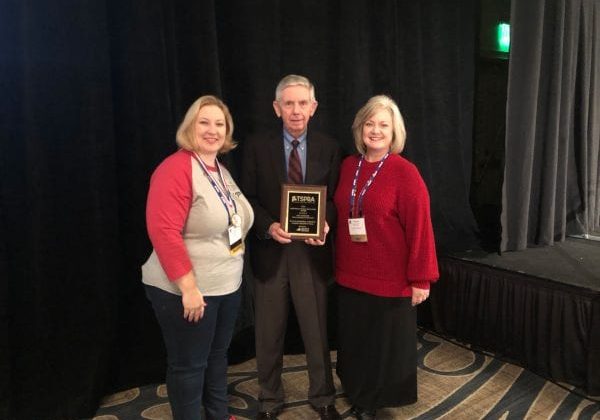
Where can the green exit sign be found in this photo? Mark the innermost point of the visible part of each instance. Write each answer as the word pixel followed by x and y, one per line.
pixel 503 37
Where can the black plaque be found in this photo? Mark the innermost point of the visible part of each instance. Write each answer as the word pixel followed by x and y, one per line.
pixel 303 210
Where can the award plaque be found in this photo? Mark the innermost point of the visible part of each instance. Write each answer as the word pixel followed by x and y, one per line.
pixel 303 210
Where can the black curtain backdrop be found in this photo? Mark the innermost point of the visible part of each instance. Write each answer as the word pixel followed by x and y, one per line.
pixel 4 322
pixel 551 183
pixel 92 93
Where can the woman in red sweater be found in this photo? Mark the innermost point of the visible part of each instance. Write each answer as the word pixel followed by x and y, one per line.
pixel 385 262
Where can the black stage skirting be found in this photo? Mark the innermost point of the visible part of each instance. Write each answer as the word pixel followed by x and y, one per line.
pixel 540 308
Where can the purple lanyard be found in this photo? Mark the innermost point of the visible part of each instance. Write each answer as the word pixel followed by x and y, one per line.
pixel 361 196
pixel 223 193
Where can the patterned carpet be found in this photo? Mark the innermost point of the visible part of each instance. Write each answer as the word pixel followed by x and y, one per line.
pixel 454 383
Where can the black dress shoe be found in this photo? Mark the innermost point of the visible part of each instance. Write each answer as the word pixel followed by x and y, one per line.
pixel 328 413
pixel 266 415
pixel 362 414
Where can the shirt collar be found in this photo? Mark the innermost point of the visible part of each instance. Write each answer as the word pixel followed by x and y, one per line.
pixel 288 137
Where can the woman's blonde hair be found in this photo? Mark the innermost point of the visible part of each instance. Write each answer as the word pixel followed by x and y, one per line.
pixel 377 103
pixel 185 132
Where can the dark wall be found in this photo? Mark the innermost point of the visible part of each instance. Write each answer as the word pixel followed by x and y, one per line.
pixel 488 148
pixel 489 126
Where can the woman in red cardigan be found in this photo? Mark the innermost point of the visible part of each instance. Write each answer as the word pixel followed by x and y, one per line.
pixel 385 262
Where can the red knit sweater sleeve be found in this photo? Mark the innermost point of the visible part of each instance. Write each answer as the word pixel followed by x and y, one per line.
pixel 422 265
pixel 167 208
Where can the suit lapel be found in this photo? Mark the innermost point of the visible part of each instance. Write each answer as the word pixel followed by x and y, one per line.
pixel 313 152
pixel 276 157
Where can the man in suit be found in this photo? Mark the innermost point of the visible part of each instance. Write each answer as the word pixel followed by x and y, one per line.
pixel 283 268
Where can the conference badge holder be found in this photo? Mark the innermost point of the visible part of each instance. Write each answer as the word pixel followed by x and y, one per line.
pixel 235 238
pixel 357 229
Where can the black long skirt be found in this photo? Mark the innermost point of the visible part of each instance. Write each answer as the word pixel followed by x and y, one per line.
pixel 377 349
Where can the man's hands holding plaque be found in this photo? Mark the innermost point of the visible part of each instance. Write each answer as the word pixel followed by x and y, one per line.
pixel 281 236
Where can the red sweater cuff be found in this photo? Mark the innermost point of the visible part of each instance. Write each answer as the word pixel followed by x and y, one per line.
pixel 420 284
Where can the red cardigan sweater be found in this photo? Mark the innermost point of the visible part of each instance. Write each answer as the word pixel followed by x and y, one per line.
pixel 400 251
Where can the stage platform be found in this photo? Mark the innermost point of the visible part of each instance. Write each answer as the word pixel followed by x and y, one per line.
pixel 539 308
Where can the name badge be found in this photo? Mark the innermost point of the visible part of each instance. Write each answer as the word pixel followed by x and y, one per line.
pixel 235 238
pixel 357 229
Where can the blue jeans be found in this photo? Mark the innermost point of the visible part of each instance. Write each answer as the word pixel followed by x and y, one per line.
pixel 196 353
